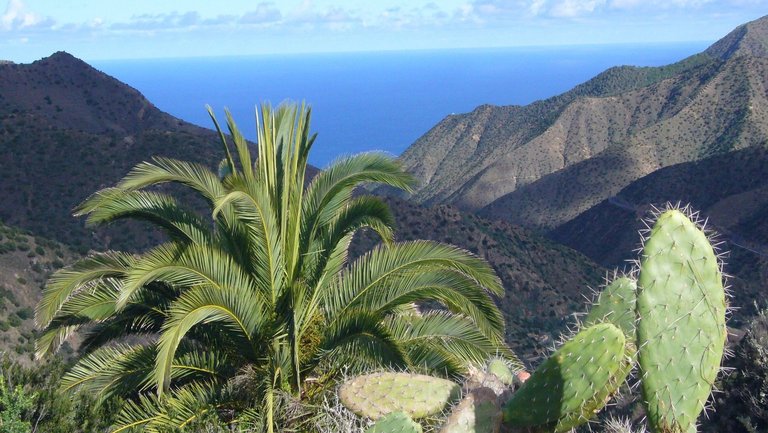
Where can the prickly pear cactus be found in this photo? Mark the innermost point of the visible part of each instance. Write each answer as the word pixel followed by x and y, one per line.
pixel 499 368
pixel 478 412
pixel 681 330
pixel 375 395
pixel 395 422
pixel 573 384
pixel 616 305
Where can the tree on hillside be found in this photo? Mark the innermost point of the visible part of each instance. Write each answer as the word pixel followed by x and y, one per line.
pixel 257 299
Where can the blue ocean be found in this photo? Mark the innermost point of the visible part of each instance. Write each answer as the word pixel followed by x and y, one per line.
pixel 376 101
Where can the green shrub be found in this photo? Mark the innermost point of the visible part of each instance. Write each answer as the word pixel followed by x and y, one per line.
pixel 742 407
pixel 14 320
pixel 26 313
pixel 16 404
pixel 40 250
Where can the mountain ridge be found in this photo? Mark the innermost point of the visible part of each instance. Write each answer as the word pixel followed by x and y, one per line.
pixel 509 147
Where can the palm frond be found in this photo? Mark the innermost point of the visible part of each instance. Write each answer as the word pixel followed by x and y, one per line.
pixel 163 170
pixel 331 189
pixel 372 271
pixel 184 266
pixel 239 308
pixel 112 370
pixel 263 237
pixel 173 412
pixel 81 308
pixel 454 291
pixel 81 276
pixel 360 340
pixel 111 204
pixel 456 338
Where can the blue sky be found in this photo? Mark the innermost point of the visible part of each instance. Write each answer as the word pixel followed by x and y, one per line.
pixel 95 30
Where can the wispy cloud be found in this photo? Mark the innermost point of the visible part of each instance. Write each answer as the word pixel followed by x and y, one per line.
pixel 18 17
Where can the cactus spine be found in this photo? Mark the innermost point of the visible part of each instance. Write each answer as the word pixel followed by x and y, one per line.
pixel 573 384
pixel 375 395
pixel 681 330
pixel 395 422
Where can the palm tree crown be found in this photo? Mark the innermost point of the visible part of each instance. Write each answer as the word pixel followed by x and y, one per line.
pixel 259 296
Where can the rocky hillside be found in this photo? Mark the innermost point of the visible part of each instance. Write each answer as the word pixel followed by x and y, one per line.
pixel 67 130
pixel 544 163
pixel 26 261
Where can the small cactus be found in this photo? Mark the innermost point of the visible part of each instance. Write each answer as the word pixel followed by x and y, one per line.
pixel 395 422
pixel 573 384
pixel 499 368
pixel 376 395
pixel 478 412
pixel 681 331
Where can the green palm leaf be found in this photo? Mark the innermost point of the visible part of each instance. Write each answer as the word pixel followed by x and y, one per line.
pixel 112 204
pixel 164 170
pixel 81 276
pixel 238 308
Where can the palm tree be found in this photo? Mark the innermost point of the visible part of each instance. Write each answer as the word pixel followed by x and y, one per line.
pixel 258 297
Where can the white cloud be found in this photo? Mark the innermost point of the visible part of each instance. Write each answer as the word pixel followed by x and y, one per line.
pixel 264 13
pixel 17 17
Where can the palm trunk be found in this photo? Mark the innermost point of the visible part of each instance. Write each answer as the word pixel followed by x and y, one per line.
pixel 270 412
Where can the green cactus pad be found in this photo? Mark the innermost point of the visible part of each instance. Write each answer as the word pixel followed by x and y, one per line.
pixel 375 395
pixel 499 368
pixel 616 305
pixel 681 332
pixel 395 422
pixel 478 412
pixel 573 384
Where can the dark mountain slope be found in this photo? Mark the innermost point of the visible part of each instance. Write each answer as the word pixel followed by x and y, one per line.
pixel 730 190
pixel 67 130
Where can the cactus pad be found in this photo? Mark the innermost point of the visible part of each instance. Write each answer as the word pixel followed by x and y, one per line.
pixel 478 412
pixel 499 368
pixel 573 384
pixel 375 395
pixel 681 330
pixel 395 422
pixel 616 305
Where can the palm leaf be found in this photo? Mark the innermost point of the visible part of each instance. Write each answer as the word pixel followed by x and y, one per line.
pixel 185 266
pixel 81 276
pixel 163 170
pixel 238 308
pixel 372 271
pixel 112 204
